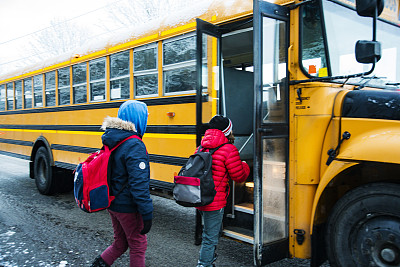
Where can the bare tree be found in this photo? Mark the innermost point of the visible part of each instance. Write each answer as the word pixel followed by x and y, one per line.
pixel 128 13
pixel 62 36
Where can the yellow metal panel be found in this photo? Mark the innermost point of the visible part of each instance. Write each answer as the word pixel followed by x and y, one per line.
pixel 163 172
pixel 371 140
pixel 177 145
pixel 160 68
pixel 21 150
pixel 302 199
pixel 310 136
pixel 179 29
pixel 185 114
pixel 70 157
pixel 133 43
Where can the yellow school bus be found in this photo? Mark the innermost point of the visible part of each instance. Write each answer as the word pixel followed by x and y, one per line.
pixel 312 89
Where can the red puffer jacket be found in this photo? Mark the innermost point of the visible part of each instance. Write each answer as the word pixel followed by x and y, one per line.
pixel 226 164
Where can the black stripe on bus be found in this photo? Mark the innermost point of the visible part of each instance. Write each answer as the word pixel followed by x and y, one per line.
pixel 178 161
pixel 77 149
pixel 65 165
pixel 15 155
pixel 161 185
pixel 149 102
pixel 167 129
pixel 16 142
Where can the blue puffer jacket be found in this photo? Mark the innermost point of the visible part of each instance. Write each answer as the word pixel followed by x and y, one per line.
pixel 130 163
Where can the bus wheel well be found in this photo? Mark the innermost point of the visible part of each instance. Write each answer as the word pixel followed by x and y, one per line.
pixel 40 142
pixel 355 176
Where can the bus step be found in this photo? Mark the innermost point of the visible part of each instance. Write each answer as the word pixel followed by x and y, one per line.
pixel 241 234
pixel 245 207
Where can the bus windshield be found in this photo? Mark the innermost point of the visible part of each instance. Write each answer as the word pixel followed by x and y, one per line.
pixel 344 27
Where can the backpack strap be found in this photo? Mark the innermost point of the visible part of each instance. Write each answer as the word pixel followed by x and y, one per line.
pixel 212 150
pixel 111 158
pixel 120 142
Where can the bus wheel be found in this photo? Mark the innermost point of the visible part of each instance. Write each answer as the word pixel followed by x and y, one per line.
pixel 363 228
pixel 43 172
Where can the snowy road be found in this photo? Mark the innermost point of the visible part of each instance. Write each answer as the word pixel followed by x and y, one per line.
pixel 37 230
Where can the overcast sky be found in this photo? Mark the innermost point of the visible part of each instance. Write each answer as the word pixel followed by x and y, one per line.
pixel 20 19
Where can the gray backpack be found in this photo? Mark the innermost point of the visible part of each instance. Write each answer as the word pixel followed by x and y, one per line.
pixel 194 185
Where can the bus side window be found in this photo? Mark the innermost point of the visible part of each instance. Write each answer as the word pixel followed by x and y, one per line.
pixel 145 71
pixel 79 83
pixel 28 93
pixel 2 97
pixel 97 74
pixel 63 86
pixel 10 96
pixel 18 95
pixel 38 90
pixel 179 65
pixel 119 76
pixel 50 88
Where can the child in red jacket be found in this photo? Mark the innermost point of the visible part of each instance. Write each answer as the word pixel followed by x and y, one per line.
pixel 226 164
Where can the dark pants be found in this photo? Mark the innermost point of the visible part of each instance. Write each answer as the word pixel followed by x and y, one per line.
pixel 127 227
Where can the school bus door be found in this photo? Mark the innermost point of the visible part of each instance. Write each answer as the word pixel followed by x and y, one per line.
pixel 271 132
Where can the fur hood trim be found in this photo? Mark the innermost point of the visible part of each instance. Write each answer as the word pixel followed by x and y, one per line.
pixel 117 123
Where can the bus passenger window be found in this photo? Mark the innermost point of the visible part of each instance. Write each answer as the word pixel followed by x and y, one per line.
pixel 2 97
pixel 97 72
pixel 50 88
pixel 28 93
pixel 10 96
pixel 145 71
pixel 79 83
pixel 179 64
pixel 64 86
pixel 38 90
pixel 119 76
pixel 18 95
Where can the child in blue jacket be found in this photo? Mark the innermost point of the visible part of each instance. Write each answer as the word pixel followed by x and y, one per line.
pixel 132 210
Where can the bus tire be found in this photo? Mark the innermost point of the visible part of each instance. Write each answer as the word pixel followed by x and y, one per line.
pixel 363 228
pixel 43 172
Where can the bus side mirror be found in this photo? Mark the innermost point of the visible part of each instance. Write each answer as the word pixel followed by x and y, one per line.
pixel 368 51
pixel 366 8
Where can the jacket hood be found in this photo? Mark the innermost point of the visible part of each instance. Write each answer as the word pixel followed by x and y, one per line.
pixel 116 130
pixel 135 112
pixel 213 138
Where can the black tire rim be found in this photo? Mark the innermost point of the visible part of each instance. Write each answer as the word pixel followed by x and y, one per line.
pixel 375 240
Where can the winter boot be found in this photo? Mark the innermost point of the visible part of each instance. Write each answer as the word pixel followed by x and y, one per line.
pixel 99 262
